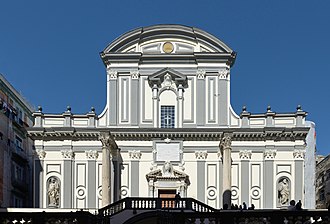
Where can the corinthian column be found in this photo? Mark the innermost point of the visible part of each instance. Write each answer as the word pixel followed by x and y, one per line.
pixel 225 147
pixel 108 145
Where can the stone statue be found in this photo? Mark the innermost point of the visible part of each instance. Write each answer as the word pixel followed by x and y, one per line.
pixel 53 192
pixel 283 191
pixel 167 168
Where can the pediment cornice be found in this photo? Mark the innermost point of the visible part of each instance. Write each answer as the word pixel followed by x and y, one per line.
pixel 158 77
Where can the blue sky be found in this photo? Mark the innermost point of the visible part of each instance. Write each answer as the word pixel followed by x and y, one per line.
pixel 49 50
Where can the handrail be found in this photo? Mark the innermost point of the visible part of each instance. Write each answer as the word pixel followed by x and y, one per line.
pixel 137 203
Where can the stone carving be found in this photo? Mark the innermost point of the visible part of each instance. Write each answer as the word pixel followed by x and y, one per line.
pixel 299 154
pixel 167 169
pixel 112 74
pixel 167 140
pixel 107 140
pixel 53 192
pixel 225 142
pixel 134 74
pixel 270 154
pixel 283 191
pixel 201 154
pixel 68 154
pixel 41 153
pixel 223 73
pixel 200 74
pixel 181 166
pixel 245 154
pixel 168 83
pixel 92 154
pixel 135 154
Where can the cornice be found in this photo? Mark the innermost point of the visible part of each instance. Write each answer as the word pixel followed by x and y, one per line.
pixel 186 134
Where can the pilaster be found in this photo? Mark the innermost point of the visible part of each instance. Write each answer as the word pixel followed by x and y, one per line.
pixel 112 97
pixel 200 98
pixel 201 157
pixel 268 193
pixel 223 96
pixel 155 103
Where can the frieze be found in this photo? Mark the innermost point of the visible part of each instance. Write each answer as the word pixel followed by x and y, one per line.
pixel 92 154
pixel 299 154
pixel 135 154
pixel 245 154
pixel 201 154
pixel 270 154
pixel 67 154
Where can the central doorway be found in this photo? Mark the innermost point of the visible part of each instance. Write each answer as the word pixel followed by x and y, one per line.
pixel 167 195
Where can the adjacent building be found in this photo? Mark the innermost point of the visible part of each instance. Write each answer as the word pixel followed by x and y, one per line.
pixel 16 149
pixel 323 182
pixel 168 127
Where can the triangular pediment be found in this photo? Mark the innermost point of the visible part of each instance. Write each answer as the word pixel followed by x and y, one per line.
pixel 167 73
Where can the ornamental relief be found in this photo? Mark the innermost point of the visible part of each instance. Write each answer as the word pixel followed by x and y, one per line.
pixel 135 154
pixel 245 154
pixel 270 154
pixel 225 142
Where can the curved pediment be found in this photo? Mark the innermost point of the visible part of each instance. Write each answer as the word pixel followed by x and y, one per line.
pixel 162 39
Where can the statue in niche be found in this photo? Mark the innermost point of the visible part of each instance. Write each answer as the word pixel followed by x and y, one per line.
pixel 167 169
pixel 283 191
pixel 53 192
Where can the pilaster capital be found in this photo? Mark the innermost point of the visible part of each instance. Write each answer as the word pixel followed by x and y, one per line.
pixel 202 155
pixel 200 74
pixel 135 74
pixel 135 154
pixel 92 154
pixel 299 154
pixel 223 73
pixel 245 154
pixel 41 153
pixel 113 74
pixel 269 154
pixel 68 154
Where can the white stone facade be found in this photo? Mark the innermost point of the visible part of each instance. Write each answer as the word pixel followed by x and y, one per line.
pixel 172 129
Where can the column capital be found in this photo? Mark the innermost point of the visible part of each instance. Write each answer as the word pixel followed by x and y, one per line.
pixel 107 140
pixel 225 142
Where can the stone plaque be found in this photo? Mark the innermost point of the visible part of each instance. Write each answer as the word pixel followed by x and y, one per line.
pixel 168 152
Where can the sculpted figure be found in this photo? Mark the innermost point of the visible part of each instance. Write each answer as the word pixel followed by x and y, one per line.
pixel 167 169
pixel 283 191
pixel 53 192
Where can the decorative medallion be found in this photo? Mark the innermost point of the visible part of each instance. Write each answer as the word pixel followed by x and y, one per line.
pixel 168 47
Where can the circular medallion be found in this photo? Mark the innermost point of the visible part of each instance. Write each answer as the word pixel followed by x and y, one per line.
pixel 168 47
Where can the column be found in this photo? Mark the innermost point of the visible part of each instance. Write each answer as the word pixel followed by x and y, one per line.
pixel 180 106
pixel 155 101
pixel 225 146
pixel 108 145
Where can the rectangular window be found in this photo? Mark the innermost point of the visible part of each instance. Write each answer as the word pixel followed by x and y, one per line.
pixel 19 144
pixel 167 116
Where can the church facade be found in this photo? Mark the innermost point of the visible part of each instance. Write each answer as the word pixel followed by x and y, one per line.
pixel 168 127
